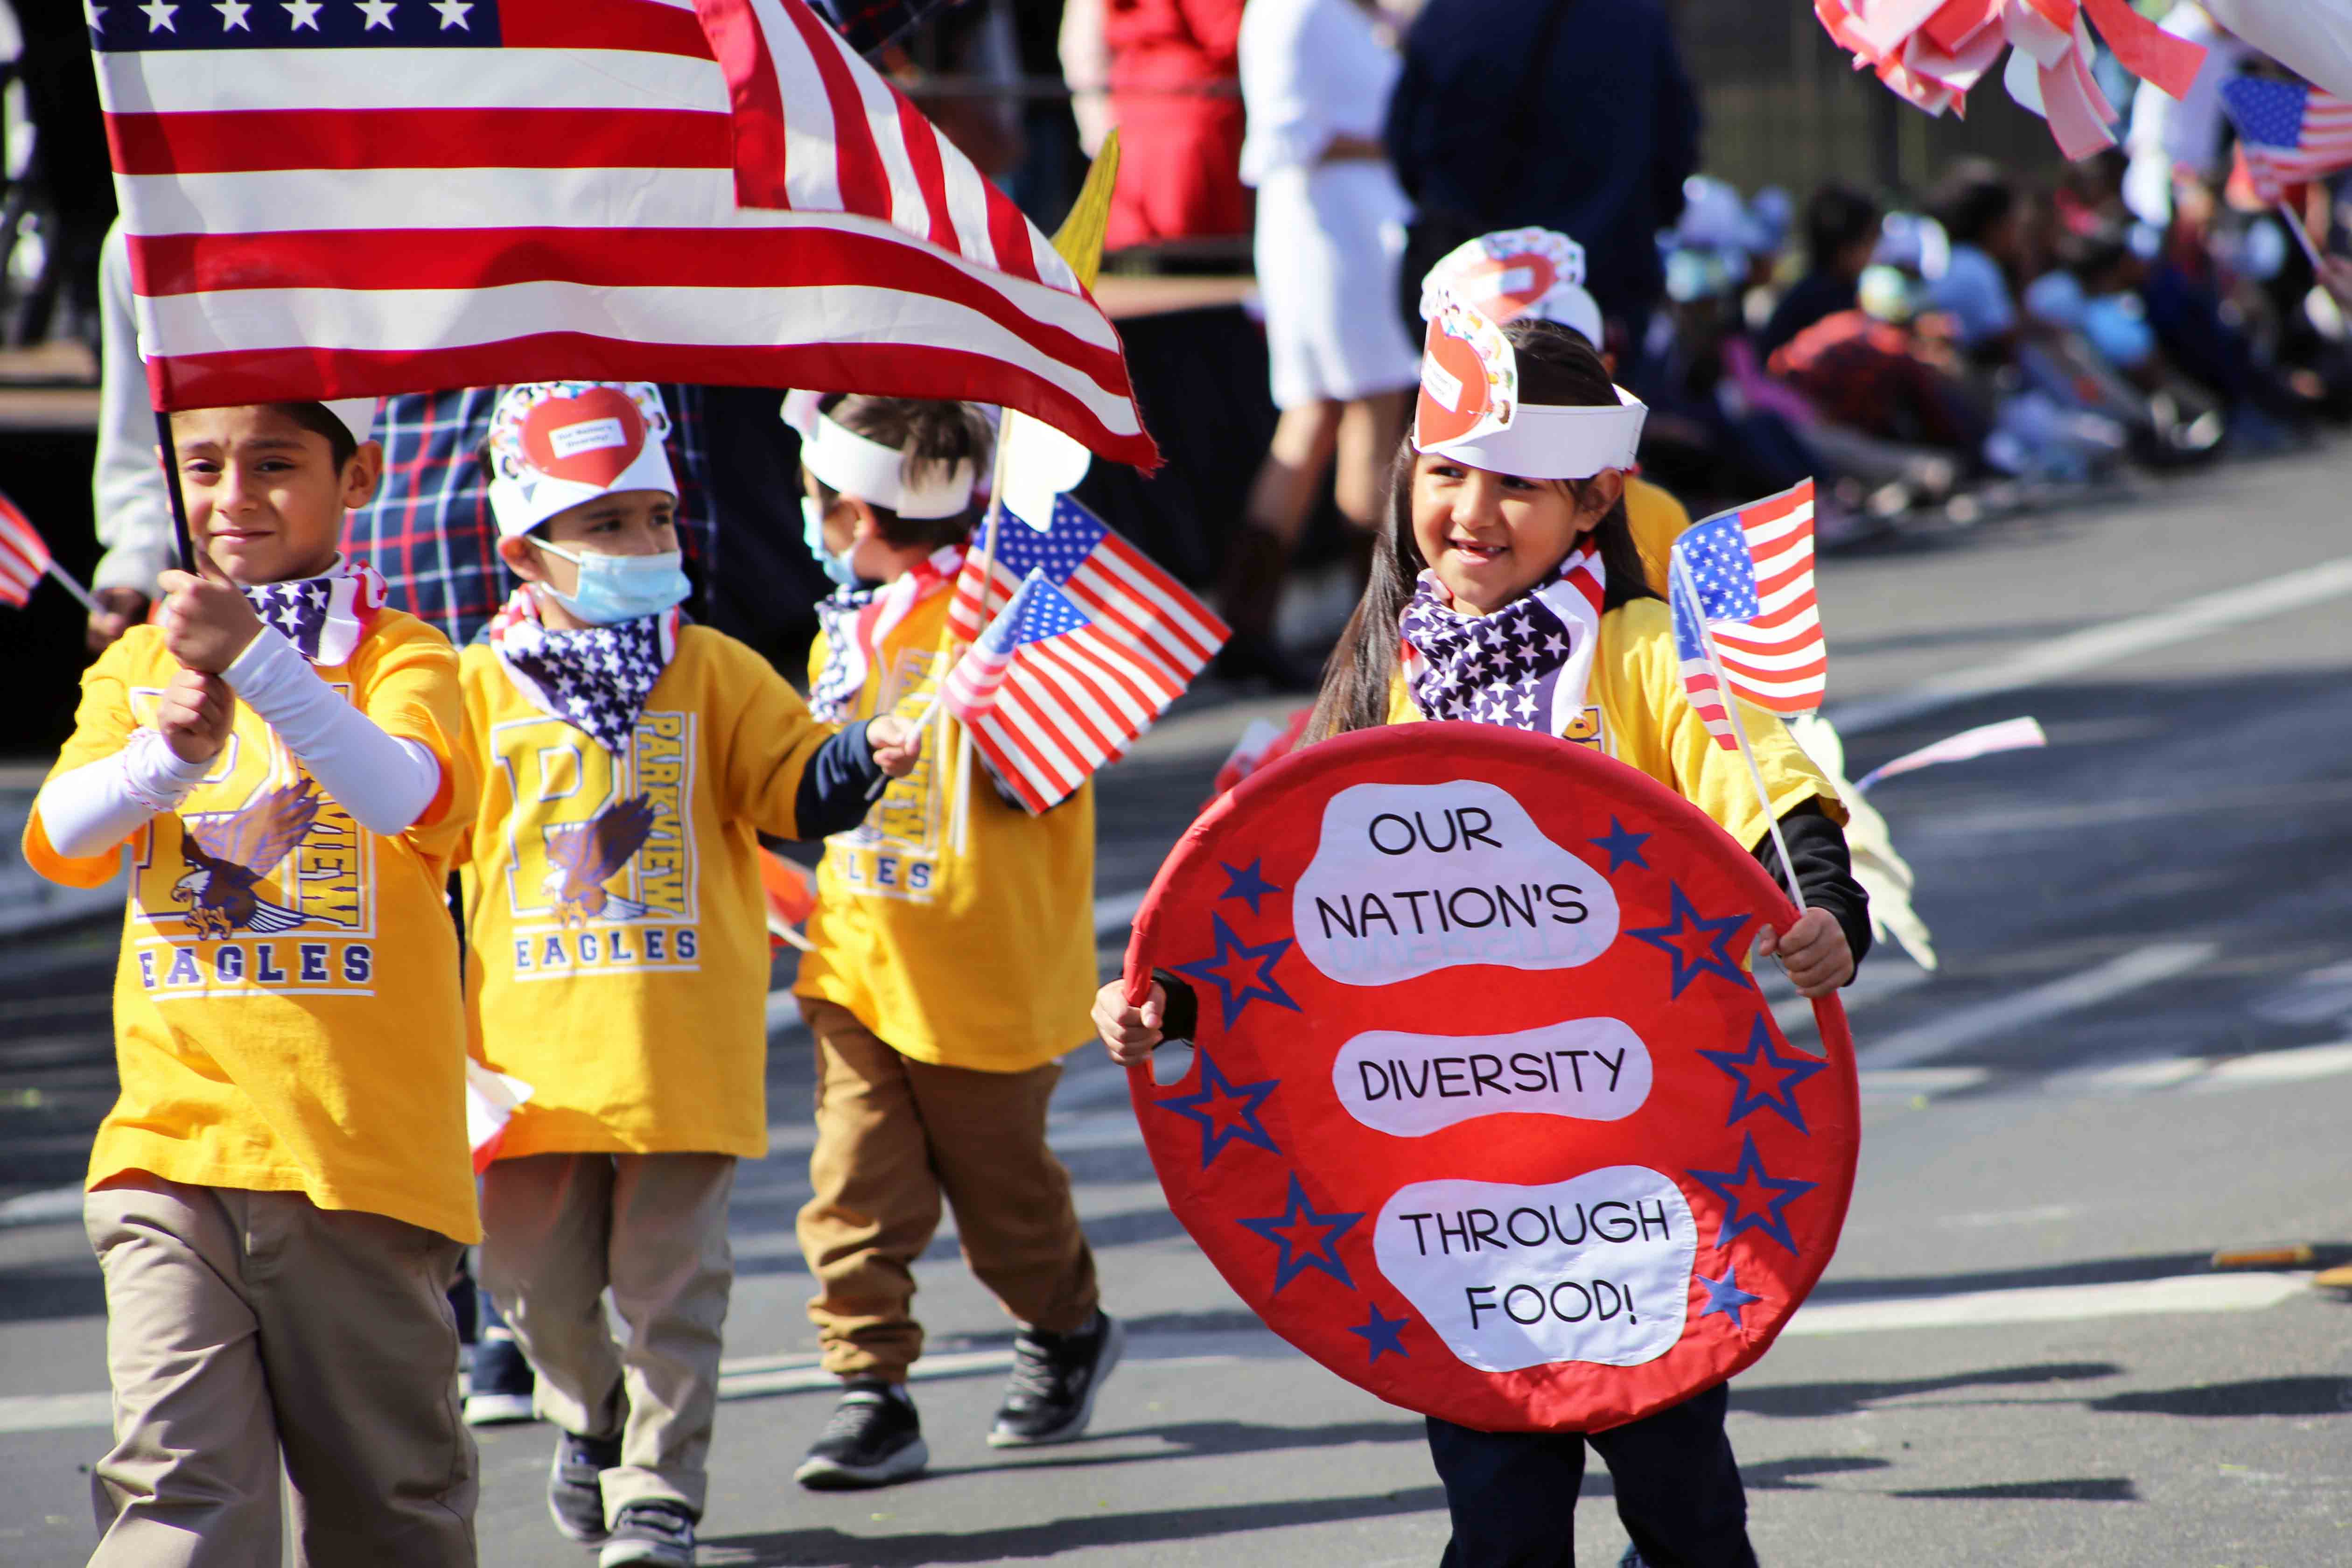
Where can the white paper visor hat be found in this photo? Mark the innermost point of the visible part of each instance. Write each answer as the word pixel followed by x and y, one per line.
pixel 555 445
pixel 1470 409
pixel 859 466
pixel 1516 272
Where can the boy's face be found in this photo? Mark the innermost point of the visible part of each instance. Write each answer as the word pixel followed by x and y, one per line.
pixel 840 517
pixel 266 501
pixel 626 522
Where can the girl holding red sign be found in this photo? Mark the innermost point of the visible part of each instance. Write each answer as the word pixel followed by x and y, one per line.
pixel 1507 590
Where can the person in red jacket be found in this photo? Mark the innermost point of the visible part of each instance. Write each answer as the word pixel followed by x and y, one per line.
pixel 1175 95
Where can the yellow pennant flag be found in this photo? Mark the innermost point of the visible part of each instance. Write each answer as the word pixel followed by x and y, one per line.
pixel 1079 240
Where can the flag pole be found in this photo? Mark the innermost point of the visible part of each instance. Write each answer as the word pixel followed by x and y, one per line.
pixel 960 817
pixel 2294 225
pixel 66 580
pixel 169 454
pixel 1739 731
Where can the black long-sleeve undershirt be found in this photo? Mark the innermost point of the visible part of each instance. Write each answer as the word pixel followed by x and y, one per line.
pixel 836 791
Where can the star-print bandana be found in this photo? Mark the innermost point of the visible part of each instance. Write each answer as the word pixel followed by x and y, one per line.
pixel 855 620
pixel 1526 665
pixel 596 681
pixel 325 615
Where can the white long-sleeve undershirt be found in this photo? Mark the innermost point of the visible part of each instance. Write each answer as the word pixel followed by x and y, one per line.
pixel 384 782
pixel 95 807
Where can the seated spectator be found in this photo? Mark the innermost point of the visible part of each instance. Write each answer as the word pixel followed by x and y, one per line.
pixel 1886 374
pixel 1841 233
pixel 1982 216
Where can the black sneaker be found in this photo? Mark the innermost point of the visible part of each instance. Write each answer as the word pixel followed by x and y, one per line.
pixel 874 1439
pixel 1055 1380
pixel 576 1488
pixel 499 1388
pixel 657 1533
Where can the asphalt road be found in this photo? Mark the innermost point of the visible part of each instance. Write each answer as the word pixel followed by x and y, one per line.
pixel 2138 1050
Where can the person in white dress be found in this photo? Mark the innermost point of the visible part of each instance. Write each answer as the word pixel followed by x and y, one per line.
pixel 1316 79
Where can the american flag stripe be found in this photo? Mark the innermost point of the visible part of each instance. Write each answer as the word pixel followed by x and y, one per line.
pixel 1152 622
pixel 24 555
pixel 1771 645
pixel 594 188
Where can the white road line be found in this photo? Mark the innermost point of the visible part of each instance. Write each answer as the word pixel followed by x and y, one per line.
pixel 752 1376
pixel 50 1206
pixel 2299 1066
pixel 1116 912
pixel 2184 622
pixel 1964 1025
pixel 2050 1304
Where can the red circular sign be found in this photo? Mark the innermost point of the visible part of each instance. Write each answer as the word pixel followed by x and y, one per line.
pixel 1485 1114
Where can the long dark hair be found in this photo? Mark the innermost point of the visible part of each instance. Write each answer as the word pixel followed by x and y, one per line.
pixel 1556 368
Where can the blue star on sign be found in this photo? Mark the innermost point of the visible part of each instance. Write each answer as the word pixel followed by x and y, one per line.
pixel 1752 1197
pixel 1245 883
pixel 1624 847
pixel 1779 1075
pixel 1306 1238
pixel 1384 1336
pixel 1725 1296
pixel 1236 991
pixel 1697 944
pixel 1225 1111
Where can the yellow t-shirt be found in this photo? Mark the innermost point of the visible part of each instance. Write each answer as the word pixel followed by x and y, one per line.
pixel 1657 519
pixel 287 1015
pixel 1637 712
pixel 616 955
pixel 982 960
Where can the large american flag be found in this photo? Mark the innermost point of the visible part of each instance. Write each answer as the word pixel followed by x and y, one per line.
pixel 341 197
pixel 1048 695
pixel 1114 583
pixel 1749 574
pixel 2290 133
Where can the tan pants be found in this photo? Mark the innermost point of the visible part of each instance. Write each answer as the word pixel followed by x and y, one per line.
pixel 246 1328
pixel 560 1229
pixel 895 1135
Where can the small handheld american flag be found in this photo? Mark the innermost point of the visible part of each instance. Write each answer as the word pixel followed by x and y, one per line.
pixel 1048 695
pixel 25 560
pixel 1749 575
pixel 2290 133
pixel 1116 584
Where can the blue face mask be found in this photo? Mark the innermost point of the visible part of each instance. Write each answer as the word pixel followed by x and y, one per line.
pixel 813 535
pixel 616 588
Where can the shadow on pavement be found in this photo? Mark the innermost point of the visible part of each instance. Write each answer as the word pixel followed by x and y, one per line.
pixel 1810 1399
pixel 2090 1271
pixel 2256 1397
pixel 1055 1537
pixel 2085 1489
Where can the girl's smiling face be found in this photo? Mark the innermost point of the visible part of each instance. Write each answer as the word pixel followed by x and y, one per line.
pixel 1491 537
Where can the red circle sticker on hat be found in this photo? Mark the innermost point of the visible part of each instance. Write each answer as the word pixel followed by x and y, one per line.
pixel 1484 1112
pixel 1505 286
pixel 590 438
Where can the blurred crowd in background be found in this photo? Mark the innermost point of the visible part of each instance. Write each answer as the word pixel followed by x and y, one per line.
pixel 1940 347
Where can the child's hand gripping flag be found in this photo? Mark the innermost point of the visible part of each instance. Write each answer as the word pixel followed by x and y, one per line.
pixel 25 560
pixel 1749 574
pixel 1048 696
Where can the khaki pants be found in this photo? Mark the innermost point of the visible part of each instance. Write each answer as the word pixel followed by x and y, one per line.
pixel 560 1229
pixel 244 1328
pixel 895 1135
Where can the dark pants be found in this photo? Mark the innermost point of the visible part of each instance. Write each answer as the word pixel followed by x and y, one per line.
pixel 1513 1494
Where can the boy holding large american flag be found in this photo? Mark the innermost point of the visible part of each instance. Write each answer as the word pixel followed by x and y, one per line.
pixel 947 975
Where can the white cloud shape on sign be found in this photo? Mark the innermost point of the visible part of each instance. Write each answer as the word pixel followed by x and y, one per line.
pixel 1412 878
pixel 1590 1070
pixel 1594 1269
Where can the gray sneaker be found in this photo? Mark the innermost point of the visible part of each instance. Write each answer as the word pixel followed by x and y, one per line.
pixel 659 1532
pixel 1055 1380
pixel 575 1486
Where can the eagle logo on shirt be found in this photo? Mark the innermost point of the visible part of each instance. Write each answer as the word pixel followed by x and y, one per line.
pixel 585 854
pixel 229 852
